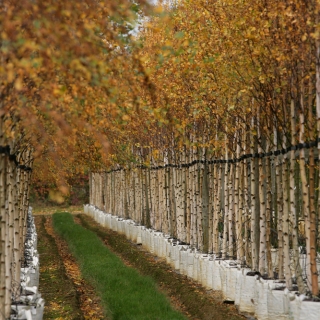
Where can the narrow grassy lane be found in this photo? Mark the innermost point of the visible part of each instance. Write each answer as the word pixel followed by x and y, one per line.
pixel 125 294
pixel 191 298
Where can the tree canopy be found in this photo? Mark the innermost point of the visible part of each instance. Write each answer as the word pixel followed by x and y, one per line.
pixel 231 80
pixel 64 69
pixel 78 89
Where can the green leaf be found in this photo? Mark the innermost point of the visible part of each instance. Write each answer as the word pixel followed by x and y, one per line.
pixel 179 35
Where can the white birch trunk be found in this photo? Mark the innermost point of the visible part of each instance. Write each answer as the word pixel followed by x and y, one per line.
pixel 230 197
pixel 285 225
pixel 216 209
pixel 305 190
pixel 226 211
pixel 254 222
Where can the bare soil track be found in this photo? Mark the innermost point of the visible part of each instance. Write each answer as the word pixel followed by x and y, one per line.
pixel 62 300
pixel 67 294
pixel 69 297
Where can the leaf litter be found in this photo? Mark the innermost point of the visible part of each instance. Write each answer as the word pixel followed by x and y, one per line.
pixel 89 302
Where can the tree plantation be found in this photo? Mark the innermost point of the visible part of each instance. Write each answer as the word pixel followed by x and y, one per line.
pixel 203 124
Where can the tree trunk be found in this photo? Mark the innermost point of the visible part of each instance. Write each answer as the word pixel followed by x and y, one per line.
pixel 285 225
pixel 312 218
pixel 268 218
pixel 305 190
pixel 262 222
pixel 254 217
pixel 4 291
pixel 226 211
pixel 205 208
pixel 230 210
pixel 216 206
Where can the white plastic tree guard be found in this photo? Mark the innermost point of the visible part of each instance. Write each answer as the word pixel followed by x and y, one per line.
pixel 29 305
pixel 183 259
pixel 265 299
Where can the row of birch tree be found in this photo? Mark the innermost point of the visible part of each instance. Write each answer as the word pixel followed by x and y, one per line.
pixel 260 209
pixel 225 155
pixel 15 173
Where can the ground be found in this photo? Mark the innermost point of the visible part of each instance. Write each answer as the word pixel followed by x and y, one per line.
pixel 68 296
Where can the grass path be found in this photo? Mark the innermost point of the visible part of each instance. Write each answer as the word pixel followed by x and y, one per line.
pixel 69 296
pixel 125 294
pixel 196 302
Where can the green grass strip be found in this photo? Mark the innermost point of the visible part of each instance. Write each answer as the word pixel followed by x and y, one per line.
pixel 125 294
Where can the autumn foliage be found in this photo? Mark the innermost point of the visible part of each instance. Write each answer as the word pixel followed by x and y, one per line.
pixel 202 80
pixel 234 80
pixel 63 65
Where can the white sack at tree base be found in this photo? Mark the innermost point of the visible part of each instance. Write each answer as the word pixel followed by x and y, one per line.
pixel 216 280
pixel 265 299
pixel 120 225
pixel 190 260
pixel 126 228
pixel 209 272
pixel 172 253
pixel 139 230
pixel 160 244
pixel 29 305
pixel 34 276
pixel 309 310
pixel 261 298
pixel 155 243
pixel 167 251
pixel 176 254
pixel 33 310
pixel 183 259
pixel 238 287
pixel 150 237
pixel 228 277
pixel 195 268
pixel 204 265
pixel 247 294
pixel 278 305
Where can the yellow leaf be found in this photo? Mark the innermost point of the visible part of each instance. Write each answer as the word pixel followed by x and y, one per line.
pixel 10 75
pixel 158 9
pixel 18 84
pixel 56 196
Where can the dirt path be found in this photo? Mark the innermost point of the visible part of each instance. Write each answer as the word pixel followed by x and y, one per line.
pixel 66 294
